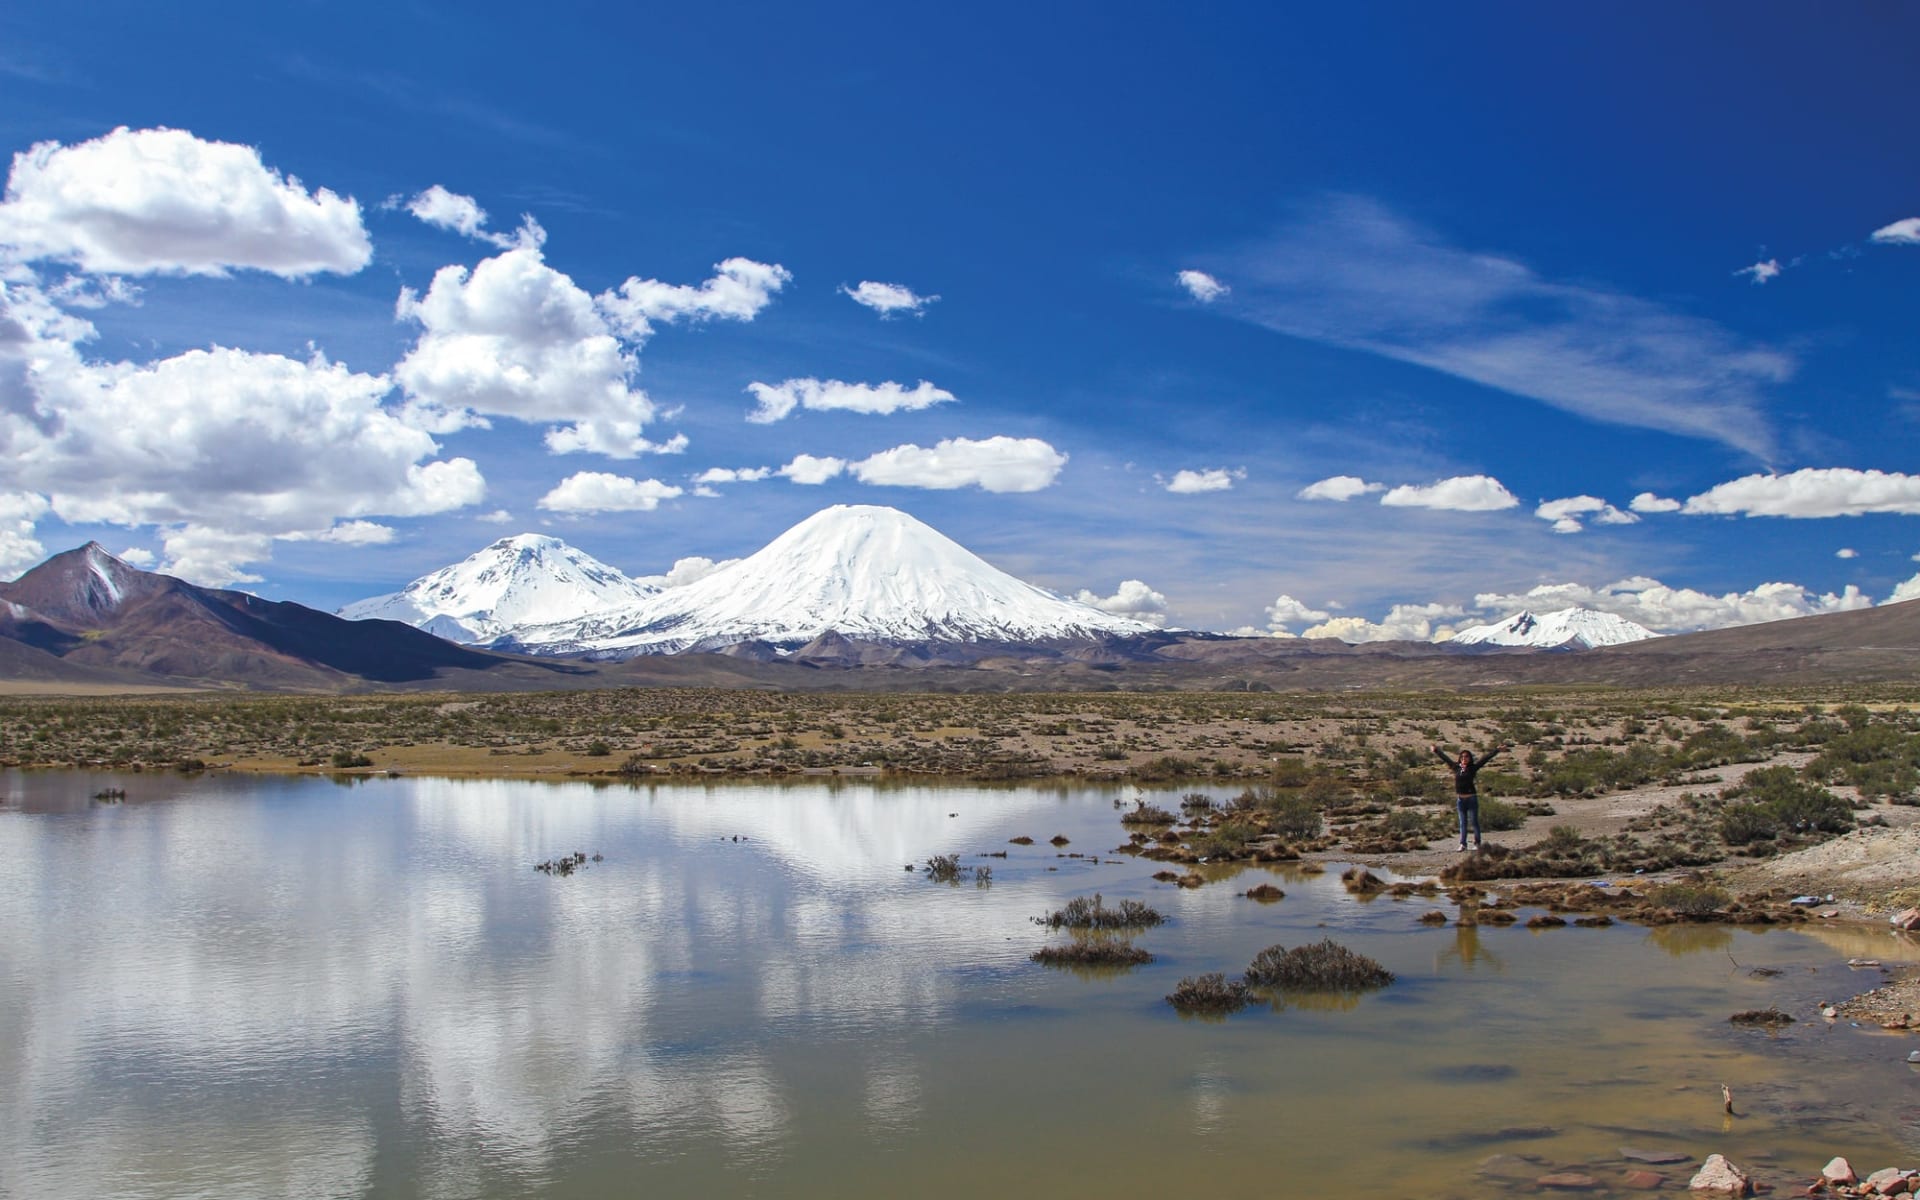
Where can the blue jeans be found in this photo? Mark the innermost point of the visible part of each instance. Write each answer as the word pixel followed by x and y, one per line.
pixel 1469 808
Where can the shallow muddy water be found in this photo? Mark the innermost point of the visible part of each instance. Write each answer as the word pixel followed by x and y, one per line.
pixel 229 986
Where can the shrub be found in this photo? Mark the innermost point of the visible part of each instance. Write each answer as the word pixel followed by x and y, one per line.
pixel 1293 815
pixel 598 749
pixel 1775 802
pixel 1209 993
pixel 1324 966
pixel 347 759
pixel 1498 815
pixel 1084 912
pixel 1226 840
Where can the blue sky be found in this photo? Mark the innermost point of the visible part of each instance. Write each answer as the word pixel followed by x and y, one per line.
pixel 1497 270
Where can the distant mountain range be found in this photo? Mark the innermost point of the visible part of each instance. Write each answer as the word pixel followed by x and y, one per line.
pixel 852 597
pixel 858 573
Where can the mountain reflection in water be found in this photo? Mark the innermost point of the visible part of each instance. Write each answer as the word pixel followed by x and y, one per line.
pixel 258 986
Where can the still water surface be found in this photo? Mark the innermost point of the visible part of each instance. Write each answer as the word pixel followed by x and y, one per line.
pixel 235 986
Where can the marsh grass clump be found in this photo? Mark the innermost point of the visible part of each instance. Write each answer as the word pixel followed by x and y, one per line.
pixel 1770 1017
pixel 947 868
pixel 1265 893
pixel 1146 813
pixel 346 760
pixel 1091 912
pixel 1323 966
pixel 1690 897
pixel 1093 952
pixel 1362 882
pixel 1209 993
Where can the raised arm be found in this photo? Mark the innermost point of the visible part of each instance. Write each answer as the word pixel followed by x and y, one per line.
pixel 1442 755
pixel 1488 756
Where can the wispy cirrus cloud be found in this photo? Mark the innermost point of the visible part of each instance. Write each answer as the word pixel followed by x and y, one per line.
pixel 1349 272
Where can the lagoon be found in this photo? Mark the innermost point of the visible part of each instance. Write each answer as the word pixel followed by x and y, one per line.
pixel 240 985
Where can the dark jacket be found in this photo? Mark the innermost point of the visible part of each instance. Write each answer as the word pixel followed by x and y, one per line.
pixel 1463 776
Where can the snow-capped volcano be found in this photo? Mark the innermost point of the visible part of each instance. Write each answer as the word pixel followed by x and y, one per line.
pixel 1567 628
pixel 862 571
pixel 528 579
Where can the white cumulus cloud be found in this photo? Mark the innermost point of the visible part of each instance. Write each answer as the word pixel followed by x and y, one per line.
pixel 738 290
pixel 601 491
pixel 1132 599
pixel 1647 502
pixel 1909 590
pixel 1339 487
pixel 995 464
pixel 1286 612
pixel 1677 610
pixel 1900 233
pixel 463 215
pixel 1202 286
pixel 1216 479
pixel 1760 272
pixel 1812 492
pixel 887 299
pixel 692 570
pixel 1403 623
pixel 1461 493
pixel 226 450
pixel 516 338
pixel 811 470
pixel 162 201
pixel 1846 552
pixel 20 550
pixel 733 475
pixel 1569 514
pixel 779 400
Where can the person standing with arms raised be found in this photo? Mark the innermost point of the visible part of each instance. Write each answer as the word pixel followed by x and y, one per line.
pixel 1466 799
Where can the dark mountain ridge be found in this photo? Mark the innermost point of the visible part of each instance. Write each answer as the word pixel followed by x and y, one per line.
pixel 85 608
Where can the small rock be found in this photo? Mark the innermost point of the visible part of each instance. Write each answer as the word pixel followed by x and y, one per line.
pixel 1891 1182
pixel 1567 1181
pixel 1643 1181
pixel 1829 1012
pixel 1718 1177
pixel 1838 1172
pixel 1906 918
pixel 1914 1056
pixel 1658 1158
